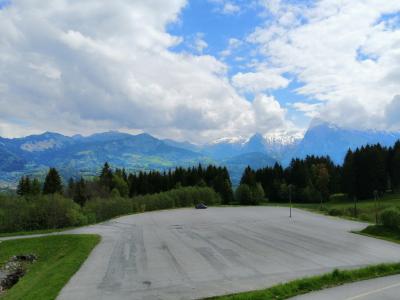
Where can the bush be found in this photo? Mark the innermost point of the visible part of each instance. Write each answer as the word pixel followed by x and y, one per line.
pixel 335 212
pixel 390 218
pixel 338 198
pixel 249 195
pixel 243 195
pixel 102 209
pixel 180 197
pixel 41 212
pixel 364 217
pixel 56 211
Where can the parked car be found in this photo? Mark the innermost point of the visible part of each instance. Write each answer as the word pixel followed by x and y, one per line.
pixel 201 206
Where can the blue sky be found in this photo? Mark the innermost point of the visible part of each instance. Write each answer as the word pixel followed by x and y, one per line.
pixel 206 18
pixel 198 70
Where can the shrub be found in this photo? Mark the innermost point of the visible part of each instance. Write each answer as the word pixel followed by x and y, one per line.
pixel 335 212
pixel 390 218
pixel 41 212
pixel 56 211
pixel 338 198
pixel 257 194
pixel 102 209
pixel 364 217
pixel 243 195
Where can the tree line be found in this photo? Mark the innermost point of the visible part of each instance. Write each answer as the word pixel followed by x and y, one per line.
pixel 117 182
pixel 365 171
pixel 371 168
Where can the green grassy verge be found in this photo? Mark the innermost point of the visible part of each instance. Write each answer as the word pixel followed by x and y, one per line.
pixel 41 231
pixel 381 232
pixel 345 209
pixel 59 257
pixel 315 283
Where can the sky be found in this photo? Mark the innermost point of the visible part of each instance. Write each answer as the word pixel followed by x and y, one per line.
pixel 198 70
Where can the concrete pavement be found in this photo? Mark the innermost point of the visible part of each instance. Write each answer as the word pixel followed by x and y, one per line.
pixel 384 288
pixel 191 254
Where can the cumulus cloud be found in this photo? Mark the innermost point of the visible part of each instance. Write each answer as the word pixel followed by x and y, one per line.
pixel 259 81
pixel 309 109
pixel 233 43
pixel 84 67
pixel 392 113
pixel 226 7
pixel 199 43
pixel 344 54
pixel 230 8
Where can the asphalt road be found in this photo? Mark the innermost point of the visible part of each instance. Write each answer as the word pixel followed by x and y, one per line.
pixel 191 254
pixel 385 288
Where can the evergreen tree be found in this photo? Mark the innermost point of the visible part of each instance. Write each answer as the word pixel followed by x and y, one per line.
pixel 80 193
pixel 35 187
pixel 394 166
pixel 249 177
pixel 24 186
pixel 106 177
pixel 52 183
pixel 243 195
pixel 70 192
pixel 349 175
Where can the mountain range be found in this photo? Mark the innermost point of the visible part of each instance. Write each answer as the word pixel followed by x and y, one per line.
pixel 83 156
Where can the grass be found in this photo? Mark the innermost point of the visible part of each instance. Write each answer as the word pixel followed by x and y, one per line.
pixel 381 232
pixel 59 257
pixel 305 285
pixel 31 232
pixel 365 208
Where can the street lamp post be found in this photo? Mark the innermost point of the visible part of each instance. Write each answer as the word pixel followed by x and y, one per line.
pixel 290 200
pixel 355 207
pixel 376 206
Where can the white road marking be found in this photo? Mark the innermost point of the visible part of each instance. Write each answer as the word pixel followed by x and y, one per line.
pixel 374 291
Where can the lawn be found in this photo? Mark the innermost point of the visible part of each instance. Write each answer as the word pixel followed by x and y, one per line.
pixel 365 208
pixel 59 257
pixel 381 232
pixel 32 232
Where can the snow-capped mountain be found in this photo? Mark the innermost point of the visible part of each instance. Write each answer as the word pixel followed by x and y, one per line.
pixel 329 139
pixel 79 155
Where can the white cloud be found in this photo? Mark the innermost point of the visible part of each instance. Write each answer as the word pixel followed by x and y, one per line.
pixel 309 109
pixel 343 52
pixel 199 43
pixel 392 113
pixel 233 43
pixel 259 81
pixel 226 7
pixel 230 8
pixel 268 112
pixel 84 67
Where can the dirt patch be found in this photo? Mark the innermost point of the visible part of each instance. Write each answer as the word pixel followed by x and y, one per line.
pixel 14 269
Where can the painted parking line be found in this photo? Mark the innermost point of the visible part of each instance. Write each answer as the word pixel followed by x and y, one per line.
pixel 374 292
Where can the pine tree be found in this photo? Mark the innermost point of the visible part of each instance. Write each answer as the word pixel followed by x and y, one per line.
pixel 249 177
pixel 80 193
pixel 21 189
pixel 106 177
pixel 35 187
pixel 394 165
pixel 71 188
pixel 349 175
pixel 52 183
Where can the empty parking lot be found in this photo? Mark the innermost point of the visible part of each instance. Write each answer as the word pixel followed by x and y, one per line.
pixel 191 254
